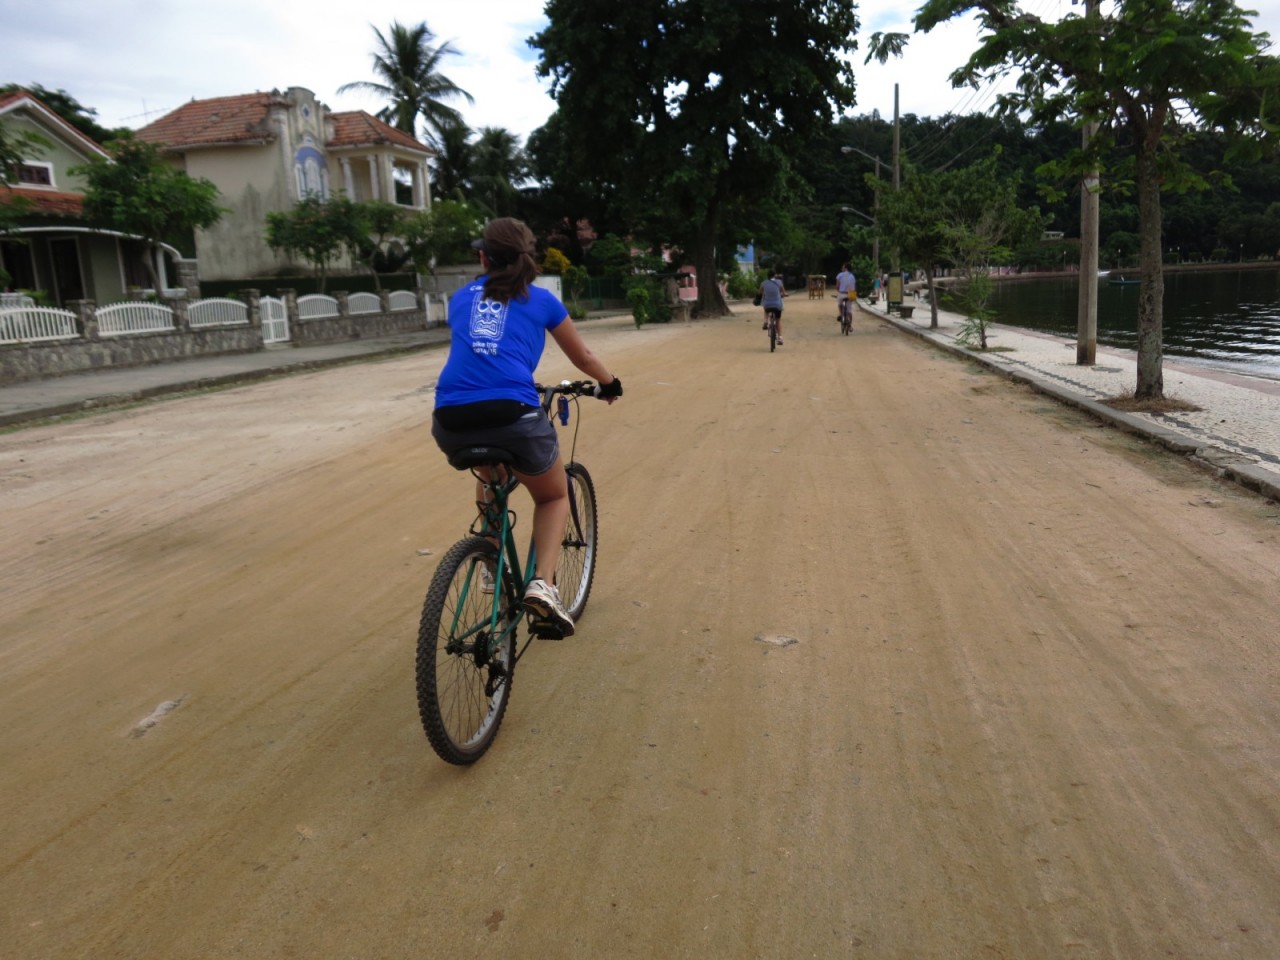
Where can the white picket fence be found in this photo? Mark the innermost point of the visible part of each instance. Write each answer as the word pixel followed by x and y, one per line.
pixel 32 324
pixel 317 305
pixel 363 303
pixel 217 312
pixel 402 300
pixel 117 319
pixel 23 322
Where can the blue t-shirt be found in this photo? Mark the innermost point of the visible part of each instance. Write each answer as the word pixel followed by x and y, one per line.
pixel 494 347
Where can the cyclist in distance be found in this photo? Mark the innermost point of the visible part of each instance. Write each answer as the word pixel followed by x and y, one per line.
pixel 846 289
pixel 486 396
pixel 771 294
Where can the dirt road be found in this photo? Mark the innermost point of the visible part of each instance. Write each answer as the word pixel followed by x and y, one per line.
pixel 886 658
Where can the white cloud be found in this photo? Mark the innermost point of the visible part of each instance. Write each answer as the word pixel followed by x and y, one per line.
pixel 133 60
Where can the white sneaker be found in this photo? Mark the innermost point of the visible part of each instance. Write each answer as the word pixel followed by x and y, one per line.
pixel 544 599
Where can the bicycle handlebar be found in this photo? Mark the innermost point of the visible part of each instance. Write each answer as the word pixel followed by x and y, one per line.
pixel 567 388
pixel 574 388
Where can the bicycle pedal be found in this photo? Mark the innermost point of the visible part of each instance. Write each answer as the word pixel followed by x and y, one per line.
pixel 545 629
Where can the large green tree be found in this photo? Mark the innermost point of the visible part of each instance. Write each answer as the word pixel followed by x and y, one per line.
pixel 137 192
pixel 408 64
pixel 966 217
pixel 442 235
pixel 685 105
pixel 315 230
pixel 1145 73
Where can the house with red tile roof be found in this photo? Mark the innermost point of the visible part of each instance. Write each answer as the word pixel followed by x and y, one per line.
pixel 266 151
pixel 53 250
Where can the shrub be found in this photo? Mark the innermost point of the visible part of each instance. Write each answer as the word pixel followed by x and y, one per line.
pixel 648 305
pixel 554 261
pixel 640 298
pixel 742 284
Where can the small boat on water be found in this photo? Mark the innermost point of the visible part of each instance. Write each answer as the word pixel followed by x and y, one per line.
pixel 1122 281
pixel 1103 273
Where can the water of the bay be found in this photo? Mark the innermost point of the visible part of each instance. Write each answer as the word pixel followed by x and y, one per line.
pixel 1222 318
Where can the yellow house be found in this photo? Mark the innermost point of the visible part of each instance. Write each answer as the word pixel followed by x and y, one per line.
pixel 266 151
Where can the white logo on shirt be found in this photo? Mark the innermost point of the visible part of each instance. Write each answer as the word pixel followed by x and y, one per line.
pixel 488 317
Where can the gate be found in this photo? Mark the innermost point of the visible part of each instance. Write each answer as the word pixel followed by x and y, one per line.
pixel 275 320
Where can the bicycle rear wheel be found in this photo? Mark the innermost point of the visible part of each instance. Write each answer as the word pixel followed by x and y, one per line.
pixel 773 334
pixel 463 671
pixel 577 565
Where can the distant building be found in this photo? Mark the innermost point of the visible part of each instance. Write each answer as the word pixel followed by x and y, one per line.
pixel 52 251
pixel 266 151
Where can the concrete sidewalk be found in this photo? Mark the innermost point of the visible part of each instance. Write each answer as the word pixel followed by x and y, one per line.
pixel 1236 431
pixel 57 396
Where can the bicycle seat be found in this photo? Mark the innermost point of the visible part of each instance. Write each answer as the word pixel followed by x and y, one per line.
pixel 469 457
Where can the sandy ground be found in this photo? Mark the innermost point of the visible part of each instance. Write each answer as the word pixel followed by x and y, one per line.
pixel 1030 709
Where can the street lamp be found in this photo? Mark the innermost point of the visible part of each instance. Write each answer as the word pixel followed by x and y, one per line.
pixel 875 245
pixel 875 235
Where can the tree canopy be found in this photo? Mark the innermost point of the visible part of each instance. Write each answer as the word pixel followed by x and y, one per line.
pixel 1146 73
pixel 681 108
pixel 138 193
pixel 408 65
pixel 69 109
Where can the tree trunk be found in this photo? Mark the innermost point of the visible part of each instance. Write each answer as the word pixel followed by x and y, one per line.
pixel 149 261
pixel 710 300
pixel 1150 269
pixel 933 298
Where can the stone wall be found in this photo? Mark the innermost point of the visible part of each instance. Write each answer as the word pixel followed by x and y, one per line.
pixel 91 351
pixel 37 361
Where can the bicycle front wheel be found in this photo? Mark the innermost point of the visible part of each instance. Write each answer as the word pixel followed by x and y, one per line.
pixel 465 659
pixel 577 565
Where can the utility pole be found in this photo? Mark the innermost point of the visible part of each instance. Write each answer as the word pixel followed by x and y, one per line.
pixel 875 209
pixel 1087 314
pixel 896 176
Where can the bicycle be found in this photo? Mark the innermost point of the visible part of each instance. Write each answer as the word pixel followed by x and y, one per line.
pixel 846 313
pixel 771 322
pixel 466 656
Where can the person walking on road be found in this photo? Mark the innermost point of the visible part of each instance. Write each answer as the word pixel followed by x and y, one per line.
pixel 485 395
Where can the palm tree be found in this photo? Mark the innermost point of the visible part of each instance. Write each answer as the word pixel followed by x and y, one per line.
pixel 452 164
pixel 497 165
pixel 409 68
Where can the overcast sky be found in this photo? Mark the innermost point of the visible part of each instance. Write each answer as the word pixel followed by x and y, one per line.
pixel 133 61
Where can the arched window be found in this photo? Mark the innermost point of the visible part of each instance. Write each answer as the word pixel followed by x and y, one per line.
pixel 311 172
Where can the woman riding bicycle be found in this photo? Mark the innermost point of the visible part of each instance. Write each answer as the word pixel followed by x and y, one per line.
pixel 771 294
pixel 846 290
pixel 486 396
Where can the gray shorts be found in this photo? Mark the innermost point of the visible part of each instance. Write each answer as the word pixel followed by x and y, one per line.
pixel 531 440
